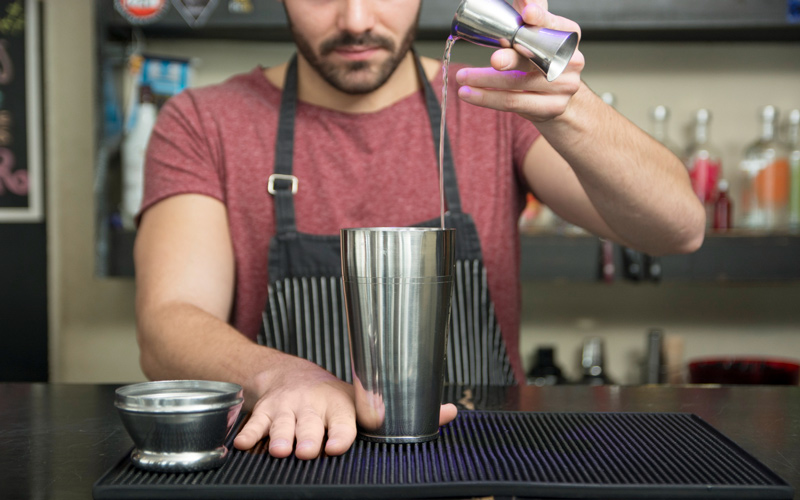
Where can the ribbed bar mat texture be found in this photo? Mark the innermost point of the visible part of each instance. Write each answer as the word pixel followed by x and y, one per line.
pixel 481 453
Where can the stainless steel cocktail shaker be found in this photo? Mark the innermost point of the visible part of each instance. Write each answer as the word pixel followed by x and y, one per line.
pixel 494 23
pixel 397 291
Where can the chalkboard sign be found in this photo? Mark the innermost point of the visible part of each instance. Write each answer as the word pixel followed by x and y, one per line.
pixel 20 130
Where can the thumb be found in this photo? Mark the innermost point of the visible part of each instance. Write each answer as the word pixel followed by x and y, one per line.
pixel 447 414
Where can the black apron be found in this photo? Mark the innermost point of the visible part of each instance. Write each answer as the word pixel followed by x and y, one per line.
pixel 305 313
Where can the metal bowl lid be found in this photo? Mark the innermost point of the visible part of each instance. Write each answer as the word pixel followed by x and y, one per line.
pixel 178 396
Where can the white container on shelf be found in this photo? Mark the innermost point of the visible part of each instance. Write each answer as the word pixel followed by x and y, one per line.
pixel 134 146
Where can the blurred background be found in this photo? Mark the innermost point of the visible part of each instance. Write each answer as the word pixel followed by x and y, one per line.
pixel 66 286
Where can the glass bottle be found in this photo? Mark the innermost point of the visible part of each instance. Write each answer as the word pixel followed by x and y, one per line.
pixel 660 118
pixel 545 371
pixel 654 366
pixel 592 363
pixel 723 208
pixel 703 162
pixel 606 267
pixel 793 139
pixel 765 178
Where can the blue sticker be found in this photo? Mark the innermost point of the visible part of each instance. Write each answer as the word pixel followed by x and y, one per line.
pixel 793 11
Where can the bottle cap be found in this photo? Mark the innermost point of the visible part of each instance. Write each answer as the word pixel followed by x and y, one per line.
pixel 722 185
pixel 769 113
pixel 609 99
pixel 660 113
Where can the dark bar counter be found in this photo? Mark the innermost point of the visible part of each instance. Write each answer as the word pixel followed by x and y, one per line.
pixel 56 440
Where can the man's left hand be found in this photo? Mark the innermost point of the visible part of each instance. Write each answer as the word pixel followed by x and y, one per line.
pixel 514 83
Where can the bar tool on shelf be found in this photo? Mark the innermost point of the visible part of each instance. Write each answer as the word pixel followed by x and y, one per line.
pixel 592 363
pixel 494 23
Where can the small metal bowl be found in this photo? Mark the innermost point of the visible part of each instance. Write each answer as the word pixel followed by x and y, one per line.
pixel 179 425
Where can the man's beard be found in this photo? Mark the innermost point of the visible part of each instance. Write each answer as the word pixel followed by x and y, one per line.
pixel 355 77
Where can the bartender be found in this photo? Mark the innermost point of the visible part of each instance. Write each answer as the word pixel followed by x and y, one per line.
pixel 249 181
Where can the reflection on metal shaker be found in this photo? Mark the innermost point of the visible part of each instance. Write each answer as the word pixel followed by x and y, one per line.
pixel 397 291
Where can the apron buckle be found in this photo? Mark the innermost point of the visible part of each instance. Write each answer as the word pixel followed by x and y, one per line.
pixel 281 177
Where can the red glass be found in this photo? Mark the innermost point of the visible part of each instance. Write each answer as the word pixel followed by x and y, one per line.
pixel 723 212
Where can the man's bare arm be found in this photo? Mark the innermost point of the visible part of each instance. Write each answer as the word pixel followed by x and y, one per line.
pixel 185 279
pixel 592 166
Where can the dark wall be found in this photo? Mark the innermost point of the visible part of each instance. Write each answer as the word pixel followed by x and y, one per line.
pixel 23 302
pixel 23 245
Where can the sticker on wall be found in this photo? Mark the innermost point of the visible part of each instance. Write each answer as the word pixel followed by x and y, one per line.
pixel 141 11
pixel 195 12
pixel 240 6
pixel 793 11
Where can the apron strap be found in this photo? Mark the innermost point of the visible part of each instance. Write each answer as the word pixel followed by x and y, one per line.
pixel 282 183
pixel 284 155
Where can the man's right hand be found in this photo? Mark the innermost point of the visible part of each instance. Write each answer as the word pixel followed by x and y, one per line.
pixel 300 401
pixel 185 275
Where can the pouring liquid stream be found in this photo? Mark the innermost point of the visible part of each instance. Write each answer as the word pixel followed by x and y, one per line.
pixel 445 68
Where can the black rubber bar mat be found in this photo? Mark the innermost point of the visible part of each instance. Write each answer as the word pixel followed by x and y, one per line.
pixel 482 453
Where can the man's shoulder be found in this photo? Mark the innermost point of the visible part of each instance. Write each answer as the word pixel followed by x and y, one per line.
pixel 243 88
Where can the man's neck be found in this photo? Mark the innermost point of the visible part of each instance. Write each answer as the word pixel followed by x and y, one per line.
pixel 313 89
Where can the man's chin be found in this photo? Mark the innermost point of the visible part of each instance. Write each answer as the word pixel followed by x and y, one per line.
pixel 362 80
pixel 357 87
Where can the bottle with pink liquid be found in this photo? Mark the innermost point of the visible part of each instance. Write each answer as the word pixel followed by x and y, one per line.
pixel 703 162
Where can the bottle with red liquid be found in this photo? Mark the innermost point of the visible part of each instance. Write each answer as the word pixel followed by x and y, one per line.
pixel 723 208
pixel 703 162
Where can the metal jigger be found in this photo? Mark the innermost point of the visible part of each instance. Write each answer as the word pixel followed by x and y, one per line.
pixel 494 23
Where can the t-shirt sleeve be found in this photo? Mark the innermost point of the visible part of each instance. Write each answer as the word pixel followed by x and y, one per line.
pixel 524 135
pixel 180 157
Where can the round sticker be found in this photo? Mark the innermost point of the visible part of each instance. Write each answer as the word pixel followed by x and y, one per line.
pixel 141 11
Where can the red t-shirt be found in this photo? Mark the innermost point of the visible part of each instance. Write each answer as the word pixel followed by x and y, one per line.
pixel 354 170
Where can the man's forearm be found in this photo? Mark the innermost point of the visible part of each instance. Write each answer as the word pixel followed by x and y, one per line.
pixel 181 341
pixel 639 188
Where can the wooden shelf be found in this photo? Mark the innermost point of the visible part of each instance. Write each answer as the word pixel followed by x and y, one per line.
pixel 734 257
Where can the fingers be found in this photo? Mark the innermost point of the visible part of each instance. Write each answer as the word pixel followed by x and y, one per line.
pixel 489 78
pixel 295 411
pixel 309 431
pixel 341 431
pixel 253 431
pixel 536 14
pixel 520 5
pixel 527 93
pixel 526 104
pixel 509 60
pixel 281 435
pixel 447 414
